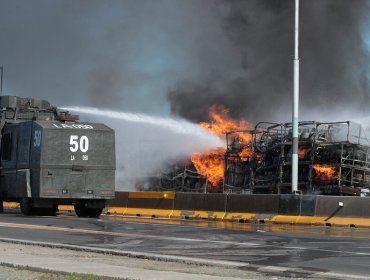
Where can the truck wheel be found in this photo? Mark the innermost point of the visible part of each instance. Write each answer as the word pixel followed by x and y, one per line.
pixel 27 208
pixel 94 212
pixel 52 211
pixel 81 210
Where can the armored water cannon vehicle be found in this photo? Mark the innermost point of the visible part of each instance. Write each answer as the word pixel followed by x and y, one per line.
pixel 48 158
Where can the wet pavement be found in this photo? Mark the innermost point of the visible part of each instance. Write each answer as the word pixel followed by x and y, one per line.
pixel 296 251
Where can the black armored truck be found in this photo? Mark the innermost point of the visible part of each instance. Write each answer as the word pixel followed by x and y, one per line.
pixel 48 158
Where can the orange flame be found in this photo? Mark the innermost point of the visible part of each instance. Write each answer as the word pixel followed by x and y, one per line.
pixel 303 152
pixel 222 123
pixel 211 164
pixel 325 172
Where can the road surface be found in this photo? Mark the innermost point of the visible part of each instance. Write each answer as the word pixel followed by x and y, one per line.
pixel 277 250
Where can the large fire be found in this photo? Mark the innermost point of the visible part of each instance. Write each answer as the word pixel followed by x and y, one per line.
pixel 211 164
pixel 325 172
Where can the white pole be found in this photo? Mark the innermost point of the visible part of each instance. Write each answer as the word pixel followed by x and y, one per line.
pixel 1 80
pixel 295 102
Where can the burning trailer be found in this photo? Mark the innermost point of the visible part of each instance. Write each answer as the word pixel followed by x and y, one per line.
pixel 334 159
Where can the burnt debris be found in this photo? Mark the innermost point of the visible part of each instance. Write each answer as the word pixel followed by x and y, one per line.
pixel 334 158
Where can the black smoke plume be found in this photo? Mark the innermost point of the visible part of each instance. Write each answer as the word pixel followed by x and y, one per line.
pixel 333 58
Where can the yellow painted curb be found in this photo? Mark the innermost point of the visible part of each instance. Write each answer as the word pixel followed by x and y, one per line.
pixel 303 220
pixel 10 204
pixel 189 214
pixel 312 220
pixel 115 210
pixel 238 217
pixel 68 208
pixel 142 212
pixel 359 222
pixel 222 216
pixel 281 219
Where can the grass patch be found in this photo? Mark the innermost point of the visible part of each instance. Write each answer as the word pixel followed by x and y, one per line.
pixel 49 275
pixel 83 277
pixel 73 276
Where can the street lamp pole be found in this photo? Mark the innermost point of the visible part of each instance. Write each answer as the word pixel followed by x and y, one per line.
pixel 1 80
pixel 295 102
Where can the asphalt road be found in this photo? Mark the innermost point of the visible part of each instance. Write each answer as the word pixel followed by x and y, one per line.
pixel 295 251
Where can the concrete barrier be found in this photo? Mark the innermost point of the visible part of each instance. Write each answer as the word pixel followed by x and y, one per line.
pixel 287 208
pixel 258 203
pixel 199 206
pixel 201 202
pixel 343 206
pixel 120 200
pixel 143 204
pixel 297 205
pixel 151 200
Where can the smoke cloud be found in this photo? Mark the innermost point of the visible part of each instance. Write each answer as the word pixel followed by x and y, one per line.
pixel 333 55
pixel 117 54
pixel 180 57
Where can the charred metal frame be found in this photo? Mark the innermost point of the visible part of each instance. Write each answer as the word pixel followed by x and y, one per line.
pixel 342 146
pixel 179 177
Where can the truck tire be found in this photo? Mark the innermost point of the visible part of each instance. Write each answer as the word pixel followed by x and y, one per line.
pixel 83 211
pixel 27 208
pixel 94 212
pixel 52 211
